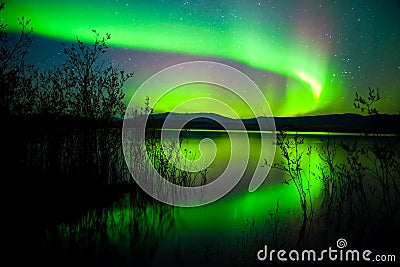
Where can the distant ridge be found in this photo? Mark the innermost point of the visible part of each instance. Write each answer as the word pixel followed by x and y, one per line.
pixel 345 123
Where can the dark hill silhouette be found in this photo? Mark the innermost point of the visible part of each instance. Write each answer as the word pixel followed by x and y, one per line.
pixel 347 123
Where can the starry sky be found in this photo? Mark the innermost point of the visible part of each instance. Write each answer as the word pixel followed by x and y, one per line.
pixel 307 57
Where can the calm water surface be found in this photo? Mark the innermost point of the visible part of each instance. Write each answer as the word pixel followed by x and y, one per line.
pixel 131 230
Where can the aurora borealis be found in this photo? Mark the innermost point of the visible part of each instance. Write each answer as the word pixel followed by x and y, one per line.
pixel 307 57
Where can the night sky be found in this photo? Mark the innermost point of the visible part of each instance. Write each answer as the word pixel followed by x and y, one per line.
pixel 307 57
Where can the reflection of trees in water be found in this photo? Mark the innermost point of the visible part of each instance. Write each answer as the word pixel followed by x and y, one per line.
pixel 75 188
pixel 129 230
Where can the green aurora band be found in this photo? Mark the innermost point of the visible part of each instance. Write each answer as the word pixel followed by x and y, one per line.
pixel 254 39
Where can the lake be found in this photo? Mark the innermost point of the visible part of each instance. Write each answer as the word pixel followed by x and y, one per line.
pixel 133 227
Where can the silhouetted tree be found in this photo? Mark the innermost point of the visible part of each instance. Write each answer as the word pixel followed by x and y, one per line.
pixel 91 86
pixel 385 158
pixel 367 103
pixel 15 75
pixel 55 93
